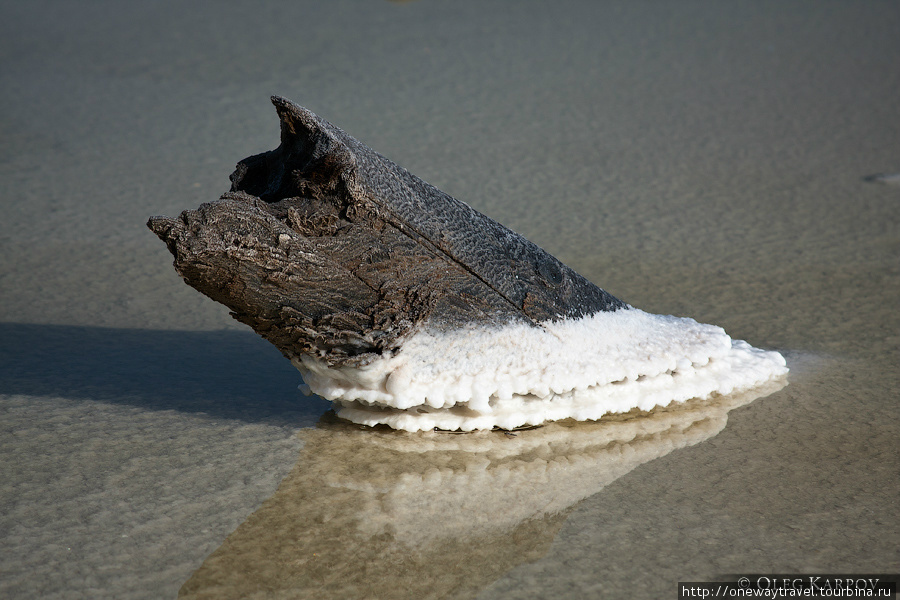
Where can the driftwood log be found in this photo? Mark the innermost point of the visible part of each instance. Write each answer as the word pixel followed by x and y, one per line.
pixel 328 249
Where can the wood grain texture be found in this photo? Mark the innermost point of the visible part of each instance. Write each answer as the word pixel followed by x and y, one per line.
pixel 327 248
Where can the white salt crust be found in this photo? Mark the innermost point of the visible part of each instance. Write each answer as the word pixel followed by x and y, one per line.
pixel 515 375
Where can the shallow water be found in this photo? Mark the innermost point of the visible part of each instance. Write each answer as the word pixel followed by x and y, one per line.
pixel 697 159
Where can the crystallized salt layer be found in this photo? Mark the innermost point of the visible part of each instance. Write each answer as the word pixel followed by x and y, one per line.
pixel 513 375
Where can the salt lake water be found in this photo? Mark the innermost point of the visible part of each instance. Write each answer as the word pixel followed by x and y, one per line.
pixel 701 159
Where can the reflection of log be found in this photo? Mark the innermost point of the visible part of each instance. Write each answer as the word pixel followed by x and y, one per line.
pixel 326 248
pixel 384 514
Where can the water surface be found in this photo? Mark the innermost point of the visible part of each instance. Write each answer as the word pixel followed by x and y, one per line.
pixel 703 159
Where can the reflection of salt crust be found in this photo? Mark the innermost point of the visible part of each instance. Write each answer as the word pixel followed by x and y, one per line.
pixel 494 497
pixel 508 376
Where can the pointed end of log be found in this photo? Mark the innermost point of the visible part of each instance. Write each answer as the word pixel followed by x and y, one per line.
pixel 160 225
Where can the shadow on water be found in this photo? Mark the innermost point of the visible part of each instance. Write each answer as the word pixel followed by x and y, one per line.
pixel 225 374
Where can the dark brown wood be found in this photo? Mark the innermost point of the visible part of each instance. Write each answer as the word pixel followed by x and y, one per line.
pixel 327 248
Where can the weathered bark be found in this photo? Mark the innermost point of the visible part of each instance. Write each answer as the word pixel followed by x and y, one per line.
pixel 327 248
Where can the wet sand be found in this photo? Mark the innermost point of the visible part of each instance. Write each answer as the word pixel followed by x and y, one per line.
pixel 698 159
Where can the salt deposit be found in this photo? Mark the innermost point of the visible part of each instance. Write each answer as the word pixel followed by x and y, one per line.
pixel 514 375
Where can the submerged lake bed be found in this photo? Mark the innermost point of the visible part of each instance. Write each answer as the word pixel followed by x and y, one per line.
pixel 728 163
